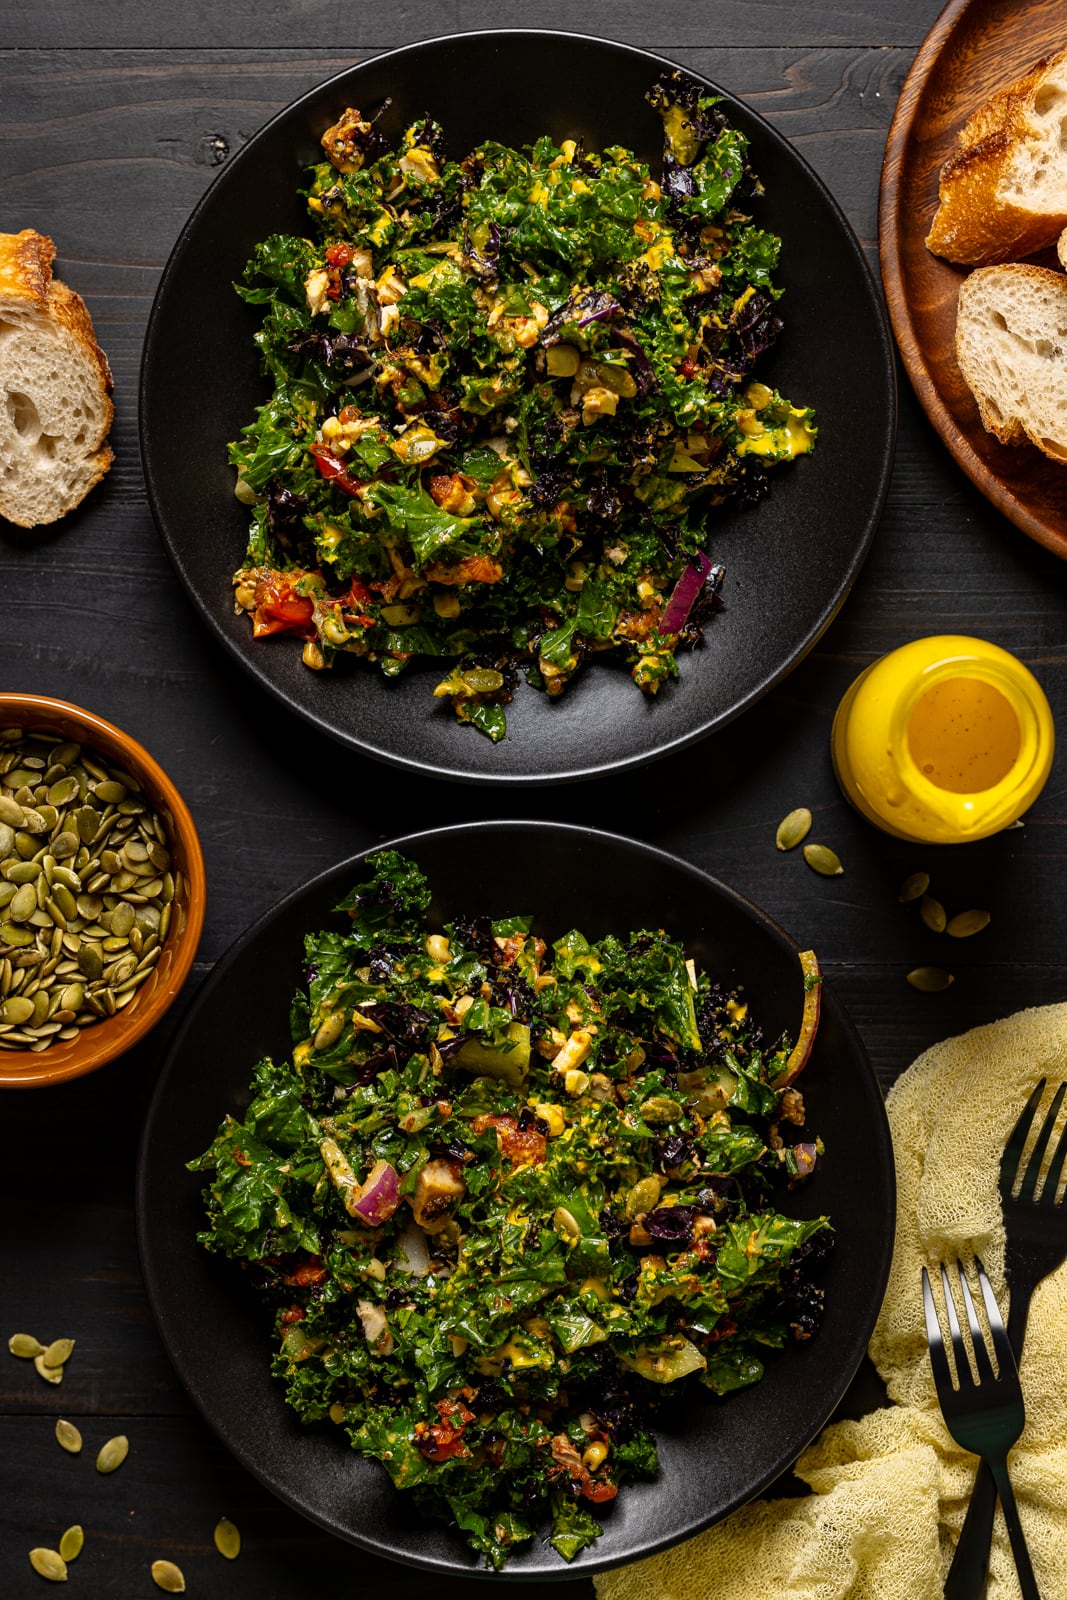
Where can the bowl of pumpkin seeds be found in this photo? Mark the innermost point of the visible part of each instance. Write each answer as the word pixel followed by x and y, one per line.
pixel 101 891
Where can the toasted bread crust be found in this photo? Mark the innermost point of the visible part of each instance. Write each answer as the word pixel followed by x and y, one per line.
pixel 29 297
pixel 975 224
pixel 26 266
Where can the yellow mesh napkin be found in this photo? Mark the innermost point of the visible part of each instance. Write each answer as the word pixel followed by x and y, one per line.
pixel 890 1492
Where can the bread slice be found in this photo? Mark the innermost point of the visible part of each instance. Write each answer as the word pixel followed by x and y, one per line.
pixel 55 385
pixel 1004 192
pixel 1011 345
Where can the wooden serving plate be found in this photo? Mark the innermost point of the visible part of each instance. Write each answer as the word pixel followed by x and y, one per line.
pixel 974 48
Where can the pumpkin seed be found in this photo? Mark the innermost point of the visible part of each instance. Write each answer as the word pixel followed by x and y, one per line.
pixel 20 872
pixel 49 1374
pixel 566 1223
pixel 933 914
pixel 63 791
pixel 483 680
pixel 25 1346
pixel 68 1436
pixel 24 904
pixel 60 888
pixel 90 961
pixel 328 1032
pixel 913 887
pixel 966 923
pixel 660 1108
pixel 930 980
pixel 227 1538
pixel 86 821
pixel 793 829
pixel 70 1546
pixel 49 1564
pixel 821 859
pixel 58 1352
pixel 168 1577
pixel 113 1453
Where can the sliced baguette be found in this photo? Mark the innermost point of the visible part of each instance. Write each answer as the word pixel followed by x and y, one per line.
pixel 1004 193
pixel 55 385
pixel 1011 346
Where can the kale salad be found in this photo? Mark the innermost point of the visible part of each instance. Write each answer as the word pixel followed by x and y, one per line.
pixel 510 394
pixel 506 1195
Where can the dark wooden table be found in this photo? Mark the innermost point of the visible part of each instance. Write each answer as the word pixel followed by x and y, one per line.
pixel 115 117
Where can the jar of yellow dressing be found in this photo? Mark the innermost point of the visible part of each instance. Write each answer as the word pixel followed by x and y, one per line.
pixel 944 740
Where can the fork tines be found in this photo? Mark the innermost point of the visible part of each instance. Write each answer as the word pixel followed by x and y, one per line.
pixel 1011 1160
pixel 982 1372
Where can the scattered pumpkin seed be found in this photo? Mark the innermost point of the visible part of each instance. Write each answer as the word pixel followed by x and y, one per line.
pixel 913 887
pixel 965 923
pixel 821 859
pixel 70 1546
pixel 68 1436
pixel 227 1538
pixel 793 828
pixel 113 1453
pixel 168 1577
pixel 58 1352
pixel 49 1374
pixel 930 980
pixel 49 1564
pixel 933 914
pixel 25 1346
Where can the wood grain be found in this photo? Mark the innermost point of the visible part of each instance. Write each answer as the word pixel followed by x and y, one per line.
pixel 112 120
pixel 245 23
pixel 975 47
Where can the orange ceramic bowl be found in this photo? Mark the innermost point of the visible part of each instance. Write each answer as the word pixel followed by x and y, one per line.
pixel 103 1041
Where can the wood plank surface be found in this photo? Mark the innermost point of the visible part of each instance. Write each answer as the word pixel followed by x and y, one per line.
pixel 113 119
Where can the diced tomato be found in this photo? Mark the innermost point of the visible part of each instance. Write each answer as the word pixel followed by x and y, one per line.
pixel 596 1489
pixel 283 612
pixel 293 1314
pixel 306 1273
pixel 334 470
pixel 522 1146
pixel 339 255
pixel 448 1410
pixel 439 1442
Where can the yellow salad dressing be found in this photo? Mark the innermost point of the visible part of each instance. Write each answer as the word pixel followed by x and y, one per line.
pixel 944 740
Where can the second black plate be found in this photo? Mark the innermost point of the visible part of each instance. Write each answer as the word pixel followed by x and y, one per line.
pixel 790 562
pixel 714 1456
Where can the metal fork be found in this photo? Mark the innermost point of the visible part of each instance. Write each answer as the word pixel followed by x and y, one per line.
pixel 983 1412
pixel 1036 1229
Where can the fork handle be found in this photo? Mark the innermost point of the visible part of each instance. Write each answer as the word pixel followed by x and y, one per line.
pixel 969 1571
pixel 970 1562
pixel 1027 1581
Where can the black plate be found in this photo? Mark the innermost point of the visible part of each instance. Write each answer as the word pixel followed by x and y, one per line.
pixel 790 562
pixel 715 1455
